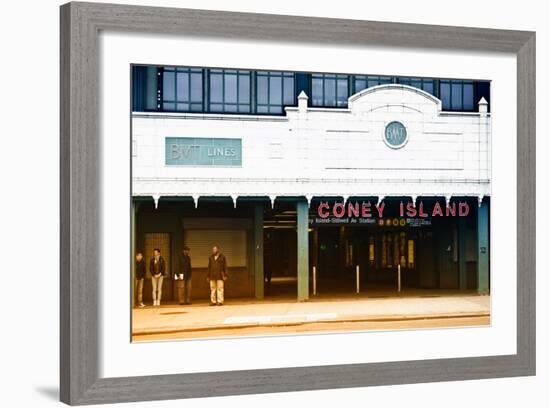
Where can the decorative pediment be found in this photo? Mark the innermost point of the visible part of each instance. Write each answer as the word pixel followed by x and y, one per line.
pixel 393 95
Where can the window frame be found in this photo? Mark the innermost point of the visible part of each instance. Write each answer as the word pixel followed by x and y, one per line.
pixel 176 101
pixel 329 76
pixel 462 83
pixel 268 74
pixel 367 79
pixel 409 80
pixel 223 72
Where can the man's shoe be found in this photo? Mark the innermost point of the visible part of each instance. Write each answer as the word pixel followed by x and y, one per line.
pixel 220 304
pixel 141 304
pixel 212 304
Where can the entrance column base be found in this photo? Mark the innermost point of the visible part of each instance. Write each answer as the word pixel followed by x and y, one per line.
pixel 302 210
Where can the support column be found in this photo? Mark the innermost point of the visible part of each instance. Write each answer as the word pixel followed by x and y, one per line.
pixel 462 272
pixel 133 211
pixel 483 247
pixel 302 211
pixel 259 250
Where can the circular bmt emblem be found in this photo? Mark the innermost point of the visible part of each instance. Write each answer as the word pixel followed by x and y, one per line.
pixel 395 135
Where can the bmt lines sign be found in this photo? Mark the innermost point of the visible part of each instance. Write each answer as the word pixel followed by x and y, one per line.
pixel 198 151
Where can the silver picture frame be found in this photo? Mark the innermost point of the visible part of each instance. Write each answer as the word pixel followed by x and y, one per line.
pixel 81 24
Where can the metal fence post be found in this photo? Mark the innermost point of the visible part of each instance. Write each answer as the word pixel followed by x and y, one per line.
pixel 314 281
pixel 357 279
pixel 399 278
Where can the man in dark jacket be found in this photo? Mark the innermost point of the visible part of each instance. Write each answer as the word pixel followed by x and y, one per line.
pixel 183 277
pixel 140 278
pixel 217 274
pixel 157 267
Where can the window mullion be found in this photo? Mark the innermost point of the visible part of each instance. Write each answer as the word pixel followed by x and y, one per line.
pixel 237 91
pixel 223 91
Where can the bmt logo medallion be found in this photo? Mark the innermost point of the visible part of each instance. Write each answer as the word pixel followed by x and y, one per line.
pixel 395 135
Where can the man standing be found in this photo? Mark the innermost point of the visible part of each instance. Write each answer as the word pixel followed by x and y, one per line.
pixel 183 277
pixel 217 274
pixel 157 267
pixel 140 278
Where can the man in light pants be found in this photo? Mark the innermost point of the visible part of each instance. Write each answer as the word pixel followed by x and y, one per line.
pixel 157 267
pixel 217 274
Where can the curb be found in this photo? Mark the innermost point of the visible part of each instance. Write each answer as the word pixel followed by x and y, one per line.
pixel 388 318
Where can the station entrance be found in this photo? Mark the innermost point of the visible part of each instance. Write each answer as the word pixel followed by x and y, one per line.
pixel 342 255
pixel 292 247
pixel 376 254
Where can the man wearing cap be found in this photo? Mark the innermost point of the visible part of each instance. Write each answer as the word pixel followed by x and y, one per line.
pixel 183 277
pixel 217 274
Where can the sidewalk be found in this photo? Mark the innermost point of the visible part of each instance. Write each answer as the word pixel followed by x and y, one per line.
pixel 240 314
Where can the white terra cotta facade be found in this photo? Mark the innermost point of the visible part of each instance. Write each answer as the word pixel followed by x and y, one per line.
pixel 325 151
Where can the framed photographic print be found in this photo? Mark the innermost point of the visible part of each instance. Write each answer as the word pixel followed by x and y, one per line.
pixel 291 203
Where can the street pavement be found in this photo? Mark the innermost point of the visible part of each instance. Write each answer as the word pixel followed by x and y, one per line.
pixel 252 317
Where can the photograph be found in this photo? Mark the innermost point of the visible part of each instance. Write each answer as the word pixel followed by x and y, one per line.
pixel 268 202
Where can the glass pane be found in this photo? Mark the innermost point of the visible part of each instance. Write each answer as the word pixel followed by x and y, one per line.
pixel 196 87
pixel 262 109
pixel 168 86
pixel 330 92
pixel 182 107
pixel 456 95
pixel 230 88
pixel 276 109
pixel 317 91
pixel 416 83
pixel 373 82
pixel 360 84
pixel 244 108
pixel 385 80
pixel 342 92
pixel 288 92
pixel 216 88
pixel 262 90
pixel 196 107
pixel 168 106
pixel 216 107
pixel 275 91
pixel 244 89
pixel 445 94
pixel 429 87
pixel 182 86
pixel 468 97
pixel 230 108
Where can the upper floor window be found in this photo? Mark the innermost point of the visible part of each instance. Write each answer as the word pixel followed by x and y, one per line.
pixel 182 89
pixel 330 90
pixel 264 92
pixel 274 90
pixel 425 84
pixel 456 94
pixel 361 82
pixel 229 90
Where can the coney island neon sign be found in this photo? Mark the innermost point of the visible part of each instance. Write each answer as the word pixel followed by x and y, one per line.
pixel 366 209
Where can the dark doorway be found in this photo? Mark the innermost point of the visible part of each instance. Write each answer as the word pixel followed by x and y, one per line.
pixel 280 251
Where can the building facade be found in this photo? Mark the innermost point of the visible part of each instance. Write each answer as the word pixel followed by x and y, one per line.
pixel 307 179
